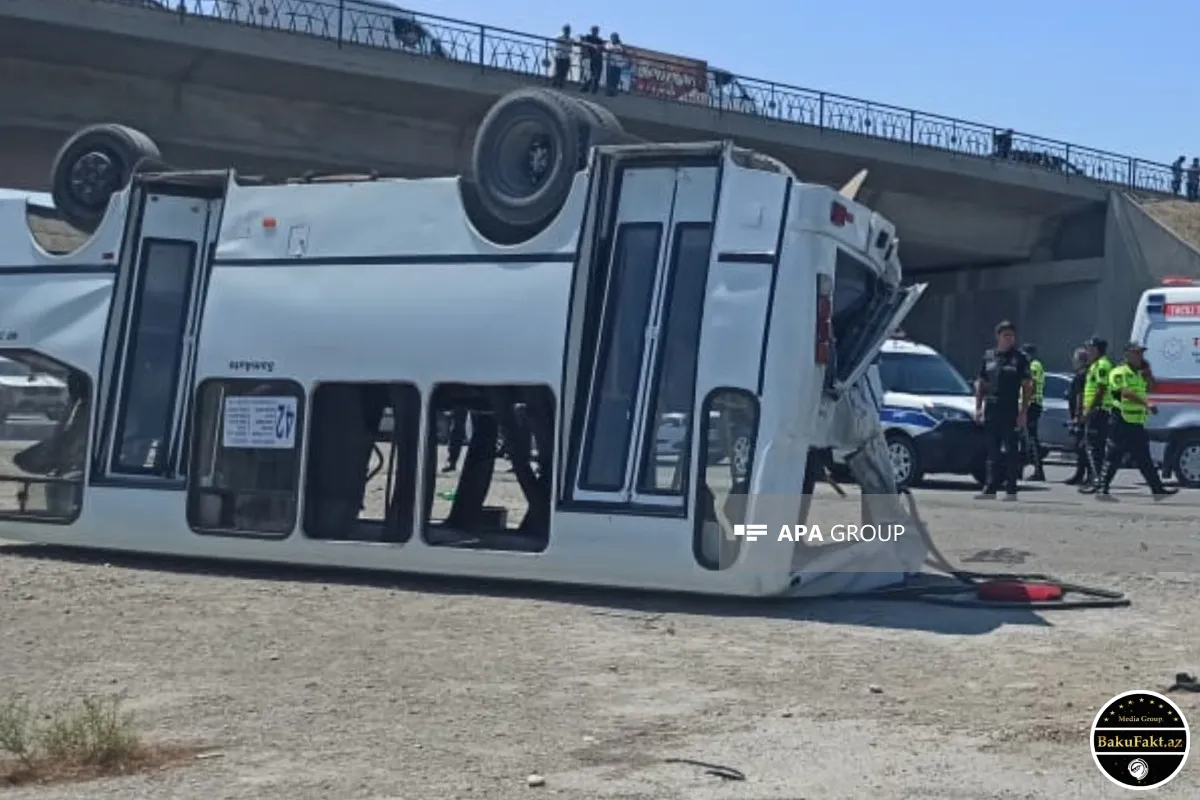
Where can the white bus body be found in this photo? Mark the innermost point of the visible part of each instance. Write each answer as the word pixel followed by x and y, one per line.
pixel 232 348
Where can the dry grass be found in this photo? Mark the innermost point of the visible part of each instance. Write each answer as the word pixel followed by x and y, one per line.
pixel 1179 216
pixel 88 739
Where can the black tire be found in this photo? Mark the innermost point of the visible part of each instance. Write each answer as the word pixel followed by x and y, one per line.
pixel 1184 454
pixel 529 147
pixel 92 166
pixel 609 129
pixel 898 443
pixel 741 456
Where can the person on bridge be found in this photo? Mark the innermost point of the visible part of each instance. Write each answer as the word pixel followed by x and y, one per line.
pixel 1177 174
pixel 592 47
pixel 1096 407
pixel 1003 391
pixel 1079 360
pixel 1032 441
pixel 564 46
pixel 1129 386
pixel 1193 180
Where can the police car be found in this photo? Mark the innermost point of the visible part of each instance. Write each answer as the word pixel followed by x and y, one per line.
pixel 927 415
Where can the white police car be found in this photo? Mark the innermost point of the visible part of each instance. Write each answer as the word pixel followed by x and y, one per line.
pixel 927 415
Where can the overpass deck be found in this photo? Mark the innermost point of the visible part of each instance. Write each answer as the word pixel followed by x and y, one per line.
pixel 676 80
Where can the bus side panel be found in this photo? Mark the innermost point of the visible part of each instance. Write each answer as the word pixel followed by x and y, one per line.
pixel 468 322
pixel 59 314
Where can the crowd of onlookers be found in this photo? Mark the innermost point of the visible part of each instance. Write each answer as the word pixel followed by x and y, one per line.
pixel 600 60
pixel 1193 178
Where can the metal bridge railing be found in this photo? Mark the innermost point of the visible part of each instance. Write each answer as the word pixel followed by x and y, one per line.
pixel 362 23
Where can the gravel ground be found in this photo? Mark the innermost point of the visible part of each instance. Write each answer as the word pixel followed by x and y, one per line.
pixel 335 686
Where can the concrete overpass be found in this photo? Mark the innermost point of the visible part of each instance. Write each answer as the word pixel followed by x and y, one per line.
pixel 281 88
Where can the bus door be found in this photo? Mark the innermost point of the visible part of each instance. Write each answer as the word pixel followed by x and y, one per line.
pixel 634 335
pixel 149 351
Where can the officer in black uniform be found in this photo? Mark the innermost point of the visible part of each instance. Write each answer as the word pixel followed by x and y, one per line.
pixel 1003 391
pixel 1075 408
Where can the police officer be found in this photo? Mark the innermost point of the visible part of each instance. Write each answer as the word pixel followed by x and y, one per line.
pixel 1079 360
pixel 1129 386
pixel 1038 371
pixel 1096 407
pixel 1003 391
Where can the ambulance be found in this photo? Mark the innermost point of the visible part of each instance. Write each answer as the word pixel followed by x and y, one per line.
pixel 1167 324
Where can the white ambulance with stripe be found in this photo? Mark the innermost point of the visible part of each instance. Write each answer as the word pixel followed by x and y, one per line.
pixel 1167 324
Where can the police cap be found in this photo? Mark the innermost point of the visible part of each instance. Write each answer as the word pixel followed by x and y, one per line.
pixel 1096 342
pixel 1138 346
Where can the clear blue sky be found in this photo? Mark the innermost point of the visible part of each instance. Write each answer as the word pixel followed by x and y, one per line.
pixel 1109 74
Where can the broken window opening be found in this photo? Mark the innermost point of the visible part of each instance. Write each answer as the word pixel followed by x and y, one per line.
pixel 244 478
pixel 45 421
pixel 362 462
pixel 499 499
pixel 728 440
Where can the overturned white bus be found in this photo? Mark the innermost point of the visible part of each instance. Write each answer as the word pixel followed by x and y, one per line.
pixel 257 372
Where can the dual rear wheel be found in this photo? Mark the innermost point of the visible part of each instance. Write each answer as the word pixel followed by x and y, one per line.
pixel 528 149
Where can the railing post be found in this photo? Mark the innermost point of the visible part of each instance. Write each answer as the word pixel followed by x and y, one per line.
pixel 912 127
pixel 1067 158
pixel 341 20
pixel 1133 173
pixel 821 111
pixel 482 43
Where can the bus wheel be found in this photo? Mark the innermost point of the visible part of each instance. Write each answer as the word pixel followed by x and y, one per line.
pixel 1185 461
pixel 528 148
pixel 92 166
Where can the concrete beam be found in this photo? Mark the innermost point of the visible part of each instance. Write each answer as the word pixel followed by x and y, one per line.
pixel 284 64
pixel 62 99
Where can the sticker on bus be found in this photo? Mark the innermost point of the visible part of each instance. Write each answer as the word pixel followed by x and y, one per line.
pixel 259 423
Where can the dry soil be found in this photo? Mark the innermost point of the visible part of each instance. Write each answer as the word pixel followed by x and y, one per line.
pixel 324 685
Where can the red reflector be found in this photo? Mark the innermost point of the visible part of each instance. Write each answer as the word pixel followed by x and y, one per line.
pixel 839 215
pixel 1178 280
pixel 824 325
pixel 1019 592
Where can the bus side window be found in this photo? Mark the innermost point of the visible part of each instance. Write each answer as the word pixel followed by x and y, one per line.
pixel 245 471
pixel 728 439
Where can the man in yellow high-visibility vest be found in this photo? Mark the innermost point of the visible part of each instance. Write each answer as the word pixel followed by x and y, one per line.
pixel 1129 387
pixel 1033 442
pixel 1096 406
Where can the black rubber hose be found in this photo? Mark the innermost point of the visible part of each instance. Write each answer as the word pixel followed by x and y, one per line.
pixel 964 593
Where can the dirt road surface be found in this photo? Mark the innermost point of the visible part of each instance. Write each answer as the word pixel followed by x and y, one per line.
pixel 333 686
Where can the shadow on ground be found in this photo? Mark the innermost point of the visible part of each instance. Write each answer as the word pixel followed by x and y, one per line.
pixel 900 611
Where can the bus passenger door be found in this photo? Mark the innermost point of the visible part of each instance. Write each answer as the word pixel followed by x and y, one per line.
pixel 630 419
pixel 738 301
pixel 151 338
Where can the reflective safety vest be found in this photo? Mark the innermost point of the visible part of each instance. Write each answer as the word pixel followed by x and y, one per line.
pixel 1126 378
pixel 1097 376
pixel 1039 380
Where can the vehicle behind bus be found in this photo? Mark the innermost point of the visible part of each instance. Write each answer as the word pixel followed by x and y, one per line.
pixel 1167 324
